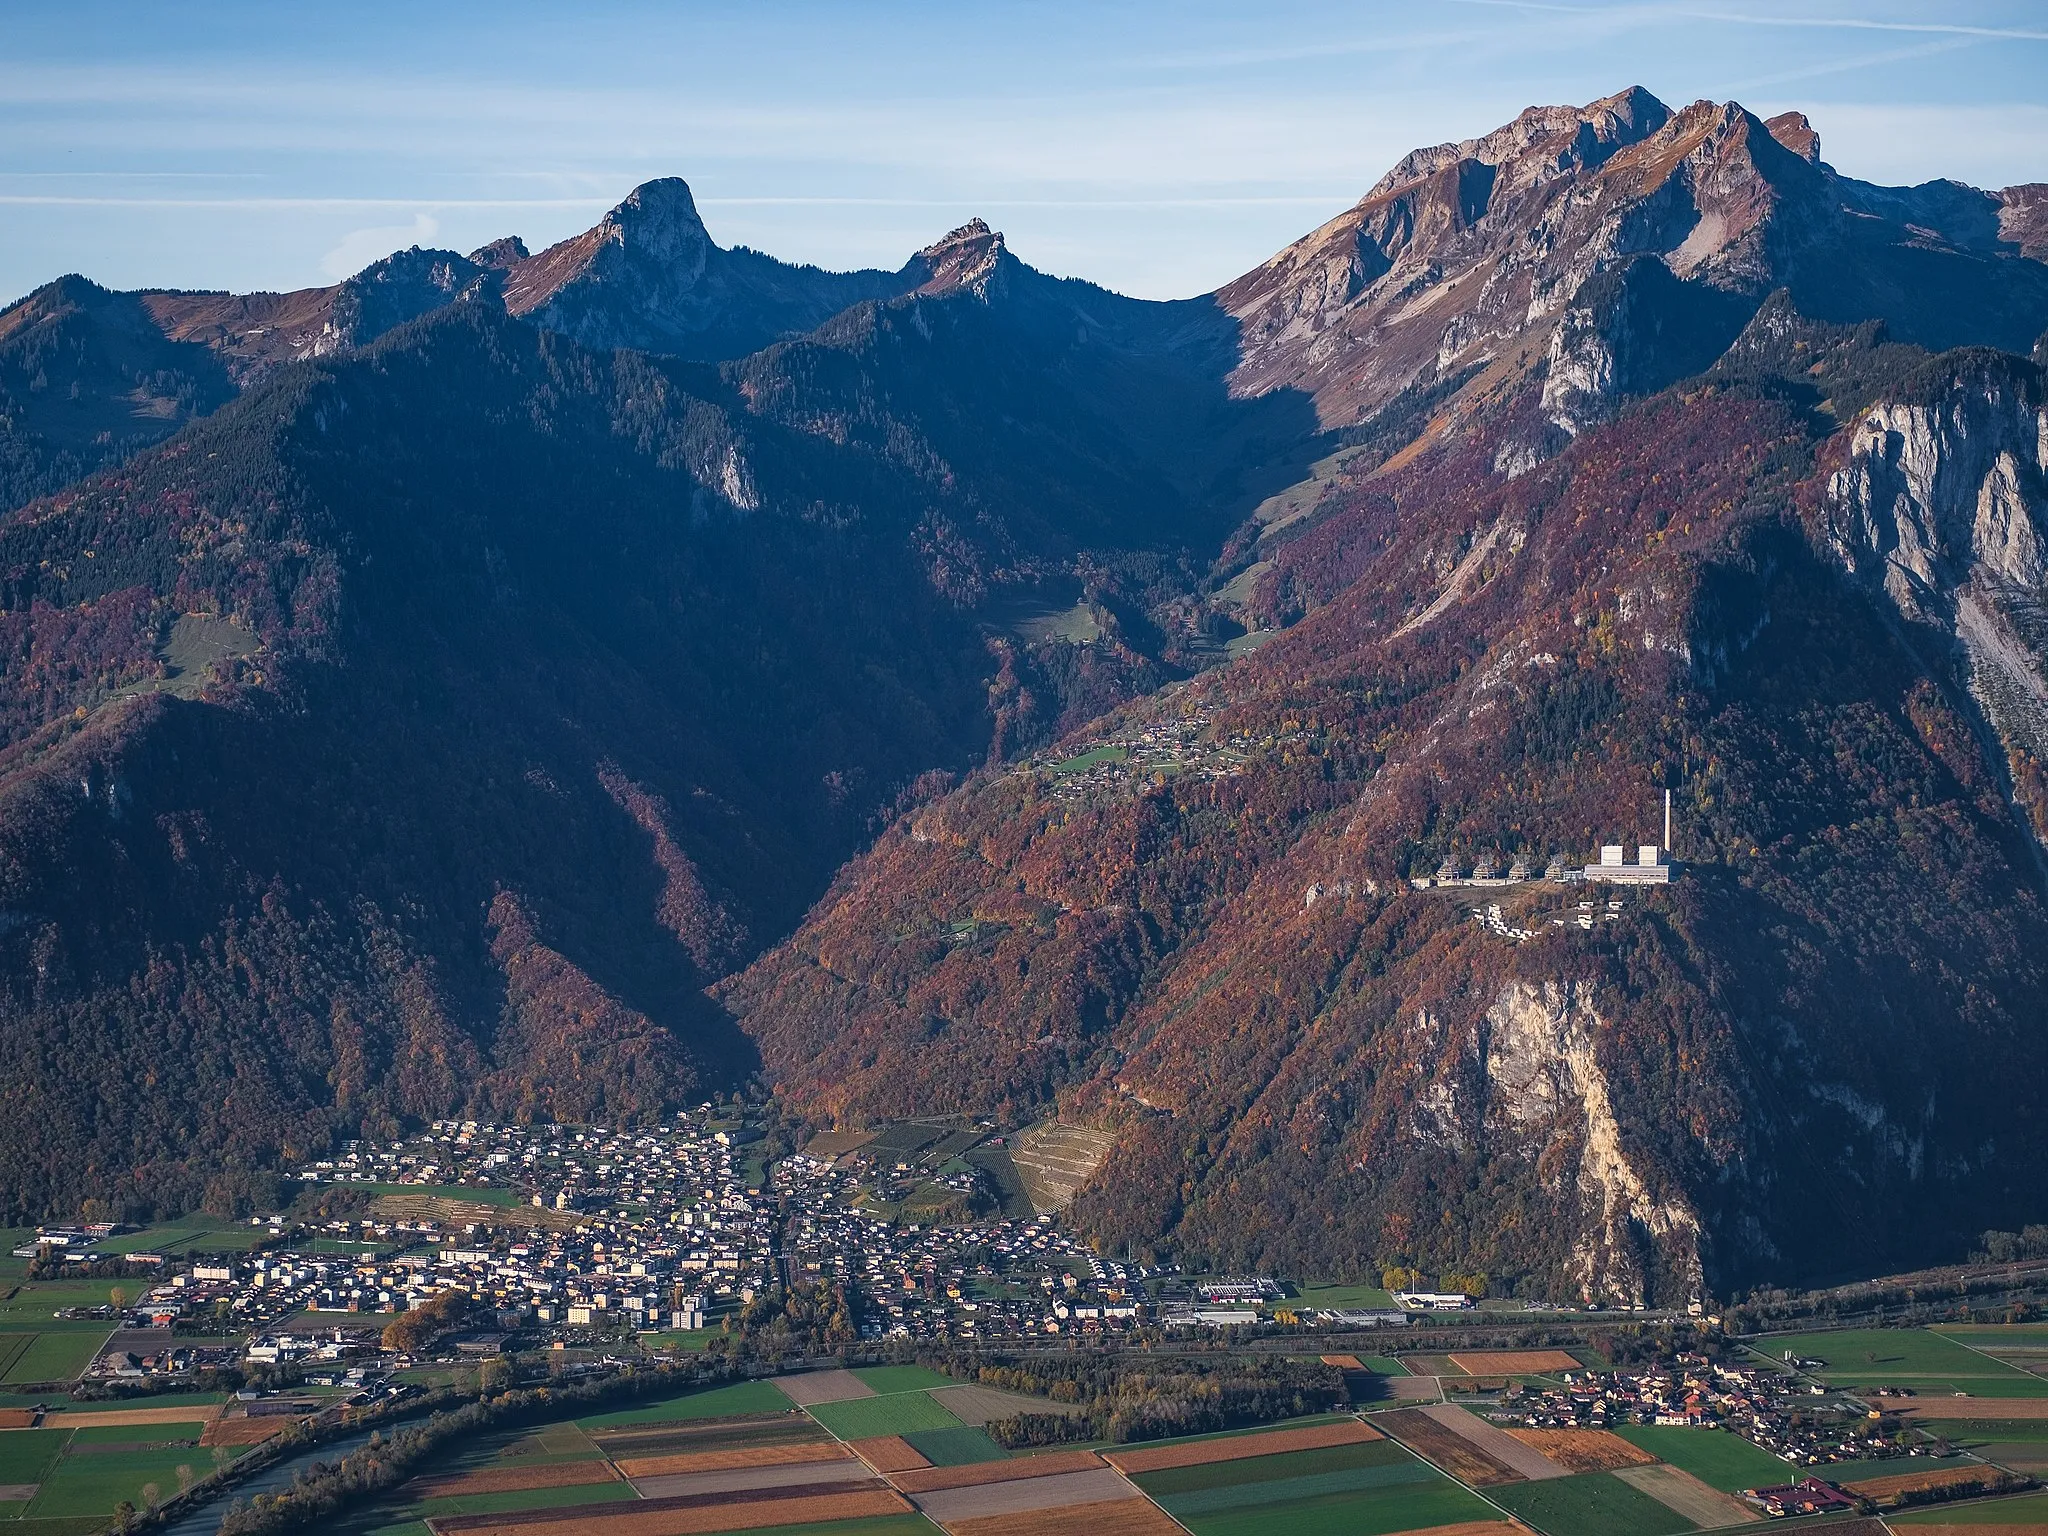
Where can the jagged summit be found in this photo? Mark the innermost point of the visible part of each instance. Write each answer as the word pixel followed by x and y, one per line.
pixel 965 258
pixel 505 252
pixel 649 275
pixel 1472 256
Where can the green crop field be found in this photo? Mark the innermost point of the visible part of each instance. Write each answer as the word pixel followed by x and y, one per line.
pixel 32 1304
pixel 1340 1296
pixel 902 1378
pixel 202 1234
pixel 1906 1357
pixel 742 1397
pixel 526 1498
pixel 966 1446
pixel 26 1454
pixel 2031 1510
pixel 1374 1489
pixel 1714 1456
pixel 900 1413
pixel 93 1485
pixel 1287 1466
pixel 1591 1504
pixel 51 1355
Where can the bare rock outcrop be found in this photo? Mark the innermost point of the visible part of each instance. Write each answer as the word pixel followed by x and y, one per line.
pixel 1943 503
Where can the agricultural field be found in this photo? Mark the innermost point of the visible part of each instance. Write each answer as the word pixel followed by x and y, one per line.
pixel 2020 1444
pixel 58 1353
pixel 1590 1504
pixel 189 1234
pixel 1928 1363
pixel 1368 1488
pixel 1716 1457
pixel 963 1447
pixel 1341 1296
pixel 898 1413
pixel 81 1472
pixel 741 1398
pixel 901 1378
pixel 2007 1517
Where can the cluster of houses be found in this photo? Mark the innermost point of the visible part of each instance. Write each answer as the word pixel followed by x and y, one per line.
pixel 1771 1409
pixel 996 1279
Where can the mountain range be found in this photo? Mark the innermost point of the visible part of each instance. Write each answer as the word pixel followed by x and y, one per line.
pixel 564 685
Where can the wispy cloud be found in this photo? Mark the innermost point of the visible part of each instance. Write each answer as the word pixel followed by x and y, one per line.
pixel 360 247
pixel 1641 14
pixel 1827 67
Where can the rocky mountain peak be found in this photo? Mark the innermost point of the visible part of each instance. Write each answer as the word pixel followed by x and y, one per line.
pixel 501 254
pixel 964 258
pixel 1792 130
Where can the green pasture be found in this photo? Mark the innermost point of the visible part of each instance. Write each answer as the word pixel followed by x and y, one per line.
pixel 190 1234
pixel 962 1447
pixel 902 1378
pixel 526 1498
pixel 94 1485
pixel 1906 1357
pixel 2031 1509
pixel 1288 1467
pixel 60 1353
pixel 1590 1504
pixel 1716 1457
pixel 1341 1296
pixel 27 1454
pixel 742 1397
pixel 900 1413
pixel 1374 1489
pixel 1086 760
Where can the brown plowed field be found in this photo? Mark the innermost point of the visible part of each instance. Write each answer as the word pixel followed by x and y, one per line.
pixel 683 1517
pixel 1970 1407
pixel 932 1479
pixel 1447 1449
pixel 1583 1450
pixel 17 1418
pixel 560 1474
pixel 1020 1496
pixel 1200 1453
pixel 1344 1362
pixel 792 1454
pixel 1125 1517
pixel 1912 1482
pixel 1431 1365
pixel 1473 1528
pixel 244 1431
pixel 1514 1362
pixel 1707 1508
pixel 815 1387
pixel 890 1453
pixel 106 1418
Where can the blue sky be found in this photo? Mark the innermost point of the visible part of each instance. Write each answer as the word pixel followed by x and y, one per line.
pixel 1158 148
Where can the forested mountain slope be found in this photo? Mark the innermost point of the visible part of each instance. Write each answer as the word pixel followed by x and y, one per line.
pixel 428 726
